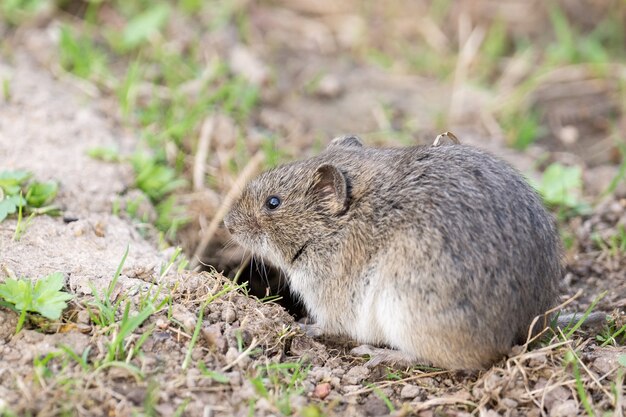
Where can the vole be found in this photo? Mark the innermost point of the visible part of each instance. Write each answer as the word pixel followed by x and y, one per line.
pixel 443 253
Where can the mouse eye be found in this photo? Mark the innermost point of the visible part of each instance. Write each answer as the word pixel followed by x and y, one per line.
pixel 272 202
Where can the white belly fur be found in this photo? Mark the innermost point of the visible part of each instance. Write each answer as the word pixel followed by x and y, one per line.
pixel 377 319
pixel 396 326
pixel 368 328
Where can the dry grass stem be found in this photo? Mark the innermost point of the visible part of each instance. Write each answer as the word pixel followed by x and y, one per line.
pixel 434 402
pixel 467 54
pixel 433 35
pixel 242 355
pixel 386 384
pixel 246 174
pixel 202 151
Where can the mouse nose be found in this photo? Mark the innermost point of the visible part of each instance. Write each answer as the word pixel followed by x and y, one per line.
pixel 228 223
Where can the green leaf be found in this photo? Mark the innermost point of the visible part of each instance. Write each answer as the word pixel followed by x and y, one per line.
pixel 45 297
pixel 18 293
pixel 48 299
pixel 311 411
pixel 10 205
pixel 143 26
pixel 53 282
pixel 258 386
pixel 214 375
pixel 155 178
pixel 38 194
pixel 41 193
pixel 561 185
pixel 8 305
pixel 80 54
pixel 622 360
pixel 10 181
pixel 106 154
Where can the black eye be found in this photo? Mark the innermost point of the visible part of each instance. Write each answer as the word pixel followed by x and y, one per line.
pixel 272 202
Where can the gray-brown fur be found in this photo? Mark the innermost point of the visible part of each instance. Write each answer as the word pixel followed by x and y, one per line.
pixel 444 253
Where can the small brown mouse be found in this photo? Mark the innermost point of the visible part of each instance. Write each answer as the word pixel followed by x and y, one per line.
pixel 443 253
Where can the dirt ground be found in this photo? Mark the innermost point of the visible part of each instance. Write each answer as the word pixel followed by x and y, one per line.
pixel 52 119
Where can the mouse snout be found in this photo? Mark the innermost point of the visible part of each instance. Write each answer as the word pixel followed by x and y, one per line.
pixel 235 222
pixel 228 223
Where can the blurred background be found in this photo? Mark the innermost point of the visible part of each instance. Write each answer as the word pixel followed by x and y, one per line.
pixel 211 92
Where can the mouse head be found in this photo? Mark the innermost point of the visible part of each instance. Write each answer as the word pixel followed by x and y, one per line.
pixel 287 211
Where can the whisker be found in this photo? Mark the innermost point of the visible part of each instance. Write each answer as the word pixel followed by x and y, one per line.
pixel 242 266
pixel 282 281
pixel 230 243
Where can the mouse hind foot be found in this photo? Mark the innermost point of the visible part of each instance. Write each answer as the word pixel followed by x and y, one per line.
pixel 311 330
pixel 386 356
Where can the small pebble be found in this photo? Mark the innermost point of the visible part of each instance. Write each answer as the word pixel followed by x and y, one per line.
pixel 322 390
pixel 78 229
pixel 100 229
pixel 329 86
pixel 564 409
pixel 196 354
pixel 148 361
pixel 350 388
pixel 509 403
pixel 375 406
pixel 355 375
pixel 83 317
pixel 69 218
pixel 184 316
pixel 229 315
pixel 319 373
pixel 83 328
pixel 213 336
pixel 409 392
pixel 569 134
pixel 192 377
pixel 234 377
pixel 263 404
pixel 136 395
pixel 231 356
pixel 297 402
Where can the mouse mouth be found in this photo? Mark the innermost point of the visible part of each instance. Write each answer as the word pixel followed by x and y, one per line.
pixel 244 240
pixel 256 243
pixel 264 248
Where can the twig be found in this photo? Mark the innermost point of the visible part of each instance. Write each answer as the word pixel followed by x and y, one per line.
pixel 242 355
pixel 389 383
pixel 443 401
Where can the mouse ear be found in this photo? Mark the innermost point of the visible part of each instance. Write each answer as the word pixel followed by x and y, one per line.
pixel 346 140
pixel 330 186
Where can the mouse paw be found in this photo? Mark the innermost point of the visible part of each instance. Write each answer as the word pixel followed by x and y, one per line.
pixel 311 330
pixel 382 355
